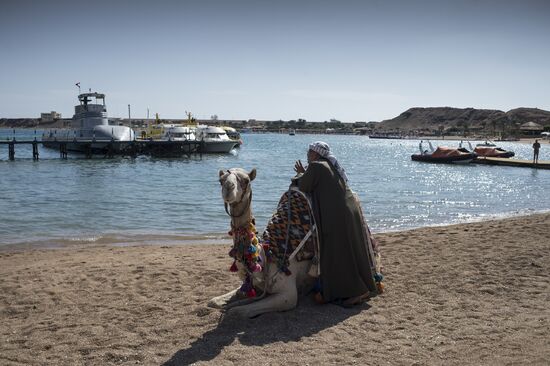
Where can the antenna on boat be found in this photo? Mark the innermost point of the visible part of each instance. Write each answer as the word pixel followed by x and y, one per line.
pixel 78 85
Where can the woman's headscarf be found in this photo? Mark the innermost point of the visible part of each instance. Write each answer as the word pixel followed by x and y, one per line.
pixel 323 149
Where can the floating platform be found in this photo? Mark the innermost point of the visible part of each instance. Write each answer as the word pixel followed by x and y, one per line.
pixel 542 164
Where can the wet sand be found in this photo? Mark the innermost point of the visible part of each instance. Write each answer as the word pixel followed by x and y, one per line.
pixel 463 294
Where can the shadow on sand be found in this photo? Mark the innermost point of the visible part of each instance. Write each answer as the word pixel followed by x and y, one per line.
pixel 291 326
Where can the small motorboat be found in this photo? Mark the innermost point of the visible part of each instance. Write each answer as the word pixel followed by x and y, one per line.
pixel 493 152
pixel 489 150
pixel 444 155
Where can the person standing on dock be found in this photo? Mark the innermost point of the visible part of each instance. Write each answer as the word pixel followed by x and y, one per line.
pixel 536 148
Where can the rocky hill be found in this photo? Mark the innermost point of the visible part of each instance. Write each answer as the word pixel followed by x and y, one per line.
pixel 448 119
pixel 29 123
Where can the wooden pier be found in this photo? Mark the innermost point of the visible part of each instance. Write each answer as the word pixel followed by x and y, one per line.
pixel 110 148
pixel 542 164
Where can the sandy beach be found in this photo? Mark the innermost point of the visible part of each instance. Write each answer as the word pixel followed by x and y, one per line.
pixel 473 293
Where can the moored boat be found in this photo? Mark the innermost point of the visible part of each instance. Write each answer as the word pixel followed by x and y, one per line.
pixel 176 132
pixel 214 139
pixel 488 150
pixel 89 124
pixel 493 152
pixel 443 155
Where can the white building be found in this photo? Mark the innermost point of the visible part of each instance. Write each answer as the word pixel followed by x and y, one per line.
pixel 50 117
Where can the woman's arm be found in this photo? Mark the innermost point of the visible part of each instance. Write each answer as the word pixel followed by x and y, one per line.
pixel 309 180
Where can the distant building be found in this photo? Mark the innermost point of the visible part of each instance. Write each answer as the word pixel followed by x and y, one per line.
pixel 50 117
pixel 531 128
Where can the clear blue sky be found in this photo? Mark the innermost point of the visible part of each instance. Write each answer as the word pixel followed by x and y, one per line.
pixel 349 60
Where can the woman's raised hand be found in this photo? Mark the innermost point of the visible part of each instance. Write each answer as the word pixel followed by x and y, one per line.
pixel 298 167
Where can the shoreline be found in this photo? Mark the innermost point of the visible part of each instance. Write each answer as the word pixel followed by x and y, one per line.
pixel 220 238
pixel 474 293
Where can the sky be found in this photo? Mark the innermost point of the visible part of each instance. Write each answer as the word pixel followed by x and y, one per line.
pixel 268 60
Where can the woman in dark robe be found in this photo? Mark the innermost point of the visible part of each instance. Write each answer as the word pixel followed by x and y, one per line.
pixel 346 273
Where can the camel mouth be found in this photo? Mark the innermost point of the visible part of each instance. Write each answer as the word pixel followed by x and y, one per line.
pixel 230 198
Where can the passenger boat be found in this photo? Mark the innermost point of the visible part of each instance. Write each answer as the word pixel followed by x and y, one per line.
pixel 89 124
pixel 176 132
pixel 444 155
pixel 215 139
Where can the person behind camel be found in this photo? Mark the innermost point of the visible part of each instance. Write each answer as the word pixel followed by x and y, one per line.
pixel 346 276
pixel 536 148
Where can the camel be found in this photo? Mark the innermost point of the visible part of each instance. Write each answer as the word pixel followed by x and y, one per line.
pixel 270 283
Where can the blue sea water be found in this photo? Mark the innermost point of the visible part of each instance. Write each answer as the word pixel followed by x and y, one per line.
pixel 54 202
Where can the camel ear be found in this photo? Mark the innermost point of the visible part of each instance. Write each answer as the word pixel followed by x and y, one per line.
pixel 252 174
pixel 221 173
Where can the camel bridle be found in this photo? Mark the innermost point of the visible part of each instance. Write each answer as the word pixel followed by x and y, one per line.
pixel 245 188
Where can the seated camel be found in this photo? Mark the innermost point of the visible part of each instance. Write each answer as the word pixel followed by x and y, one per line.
pixel 283 264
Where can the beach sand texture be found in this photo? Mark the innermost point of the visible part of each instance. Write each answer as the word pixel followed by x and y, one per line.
pixel 474 293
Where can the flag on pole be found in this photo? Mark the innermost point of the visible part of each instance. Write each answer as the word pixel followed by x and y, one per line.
pixel 78 84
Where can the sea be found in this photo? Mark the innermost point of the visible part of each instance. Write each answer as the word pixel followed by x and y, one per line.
pixel 52 203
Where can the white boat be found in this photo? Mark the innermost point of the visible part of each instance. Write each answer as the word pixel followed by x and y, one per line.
pixel 89 124
pixel 215 139
pixel 292 132
pixel 175 132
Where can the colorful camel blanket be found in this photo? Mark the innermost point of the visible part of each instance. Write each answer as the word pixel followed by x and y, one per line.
pixel 295 217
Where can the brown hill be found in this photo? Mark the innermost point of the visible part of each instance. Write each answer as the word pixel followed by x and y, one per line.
pixel 449 119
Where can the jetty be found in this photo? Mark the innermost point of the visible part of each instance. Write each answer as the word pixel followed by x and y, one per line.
pixel 542 164
pixel 111 148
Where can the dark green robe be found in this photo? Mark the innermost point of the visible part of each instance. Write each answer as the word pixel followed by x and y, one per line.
pixel 345 267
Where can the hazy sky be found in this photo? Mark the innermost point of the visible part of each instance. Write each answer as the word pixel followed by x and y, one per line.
pixel 349 60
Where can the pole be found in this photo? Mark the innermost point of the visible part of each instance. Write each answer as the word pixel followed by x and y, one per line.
pixel 129 123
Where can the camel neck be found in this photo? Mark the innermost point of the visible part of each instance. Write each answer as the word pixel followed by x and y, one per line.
pixel 243 220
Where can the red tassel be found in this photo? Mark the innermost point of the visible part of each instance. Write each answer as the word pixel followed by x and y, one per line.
pixel 255 267
pixel 251 293
pixel 233 267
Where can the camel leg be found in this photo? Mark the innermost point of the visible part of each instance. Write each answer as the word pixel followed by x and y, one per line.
pixel 280 301
pixel 220 302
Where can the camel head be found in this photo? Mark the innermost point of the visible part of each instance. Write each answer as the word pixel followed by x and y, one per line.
pixel 235 184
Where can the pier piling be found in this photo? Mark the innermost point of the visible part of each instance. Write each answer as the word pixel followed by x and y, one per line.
pixel 11 150
pixel 35 153
pixel 63 150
